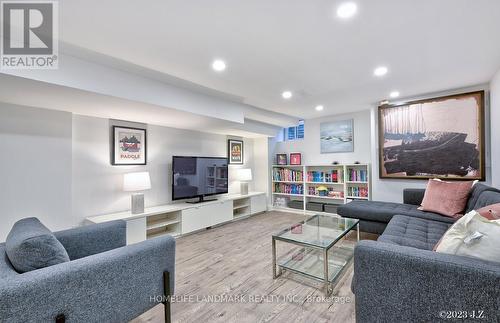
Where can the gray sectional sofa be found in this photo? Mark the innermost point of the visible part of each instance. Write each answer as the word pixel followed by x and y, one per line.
pixel 398 278
pixel 374 216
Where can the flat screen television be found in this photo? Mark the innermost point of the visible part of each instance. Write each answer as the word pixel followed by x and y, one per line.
pixel 198 177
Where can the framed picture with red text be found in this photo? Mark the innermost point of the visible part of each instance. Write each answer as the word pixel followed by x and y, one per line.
pixel 129 146
pixel 235 151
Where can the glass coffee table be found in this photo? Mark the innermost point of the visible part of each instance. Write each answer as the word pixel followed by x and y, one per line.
pixel 322 252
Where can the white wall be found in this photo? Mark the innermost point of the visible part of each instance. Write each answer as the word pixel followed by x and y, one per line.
pixel 35 167
pixel 495 129
pixel 97 185
pixel 365 151
pixel 261 174
pixel 56 166
pixel 310 145
pixel 366 144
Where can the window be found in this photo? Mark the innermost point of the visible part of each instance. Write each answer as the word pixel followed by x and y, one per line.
pixel 291 133
pixel 294 132
pixel 300 130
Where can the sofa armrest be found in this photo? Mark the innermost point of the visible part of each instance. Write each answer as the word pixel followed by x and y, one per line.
pixel 92 239
pixel 413 195
pixel 394 283
pixel 113 286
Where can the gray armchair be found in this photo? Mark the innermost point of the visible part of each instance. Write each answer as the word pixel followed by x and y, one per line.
pixel 105 281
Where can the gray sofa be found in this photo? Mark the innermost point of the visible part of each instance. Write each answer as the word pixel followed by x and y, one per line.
pixel 398 278
pixel 104 281
pixel 374 216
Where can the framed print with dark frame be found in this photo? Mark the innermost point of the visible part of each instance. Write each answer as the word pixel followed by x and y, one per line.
pixel 235 151
pixel 441 137
pixel 295 159
pixel 281 159
pixel 129 146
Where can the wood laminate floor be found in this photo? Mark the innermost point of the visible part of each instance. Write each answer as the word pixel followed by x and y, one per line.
pixel 224 274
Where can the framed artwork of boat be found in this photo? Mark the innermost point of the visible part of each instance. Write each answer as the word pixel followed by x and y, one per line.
pixel 433 138
pixel 129 146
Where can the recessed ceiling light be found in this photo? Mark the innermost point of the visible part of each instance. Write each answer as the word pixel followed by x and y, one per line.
pixel 347 10
pixel 319 108
pixel 286 94
pixel 394 94
pixel 380 71
pixel 219 65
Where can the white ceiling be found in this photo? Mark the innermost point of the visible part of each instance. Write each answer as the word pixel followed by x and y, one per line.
pixel 270 46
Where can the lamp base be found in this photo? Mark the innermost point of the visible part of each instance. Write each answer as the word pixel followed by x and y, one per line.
pixel 137 200
pixel 244 188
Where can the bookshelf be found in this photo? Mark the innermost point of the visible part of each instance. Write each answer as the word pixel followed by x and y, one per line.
pixel 357 178
pixel 308 188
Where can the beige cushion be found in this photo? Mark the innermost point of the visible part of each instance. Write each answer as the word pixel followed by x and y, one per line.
pixel 473 236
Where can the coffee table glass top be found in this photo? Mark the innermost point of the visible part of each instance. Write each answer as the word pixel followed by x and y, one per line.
pixel 320 231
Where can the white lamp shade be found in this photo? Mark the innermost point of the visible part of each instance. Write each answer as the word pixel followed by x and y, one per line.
pixel 244 174
pixel 133 182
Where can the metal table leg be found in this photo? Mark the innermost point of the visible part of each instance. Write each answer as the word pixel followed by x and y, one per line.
pixel 276 273
pixel 357 227
pixel 274 258
pixel 327 282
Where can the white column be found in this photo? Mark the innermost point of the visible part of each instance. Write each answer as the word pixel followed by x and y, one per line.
pixel 495 129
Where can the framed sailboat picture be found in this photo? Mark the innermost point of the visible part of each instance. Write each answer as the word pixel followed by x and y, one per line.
pixel 434 138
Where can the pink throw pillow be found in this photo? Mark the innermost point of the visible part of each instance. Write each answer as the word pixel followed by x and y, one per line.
pixel 446 198
pixel 490 212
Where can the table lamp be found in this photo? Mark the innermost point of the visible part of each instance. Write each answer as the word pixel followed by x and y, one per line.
pixel 136 182
pixel 244 176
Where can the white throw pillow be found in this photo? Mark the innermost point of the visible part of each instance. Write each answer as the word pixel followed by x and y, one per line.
pixel 473 236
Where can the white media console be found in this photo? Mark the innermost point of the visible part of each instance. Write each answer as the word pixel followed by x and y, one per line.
pixel 183 218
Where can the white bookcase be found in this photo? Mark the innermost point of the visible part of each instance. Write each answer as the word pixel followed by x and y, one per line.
pixel 343 183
